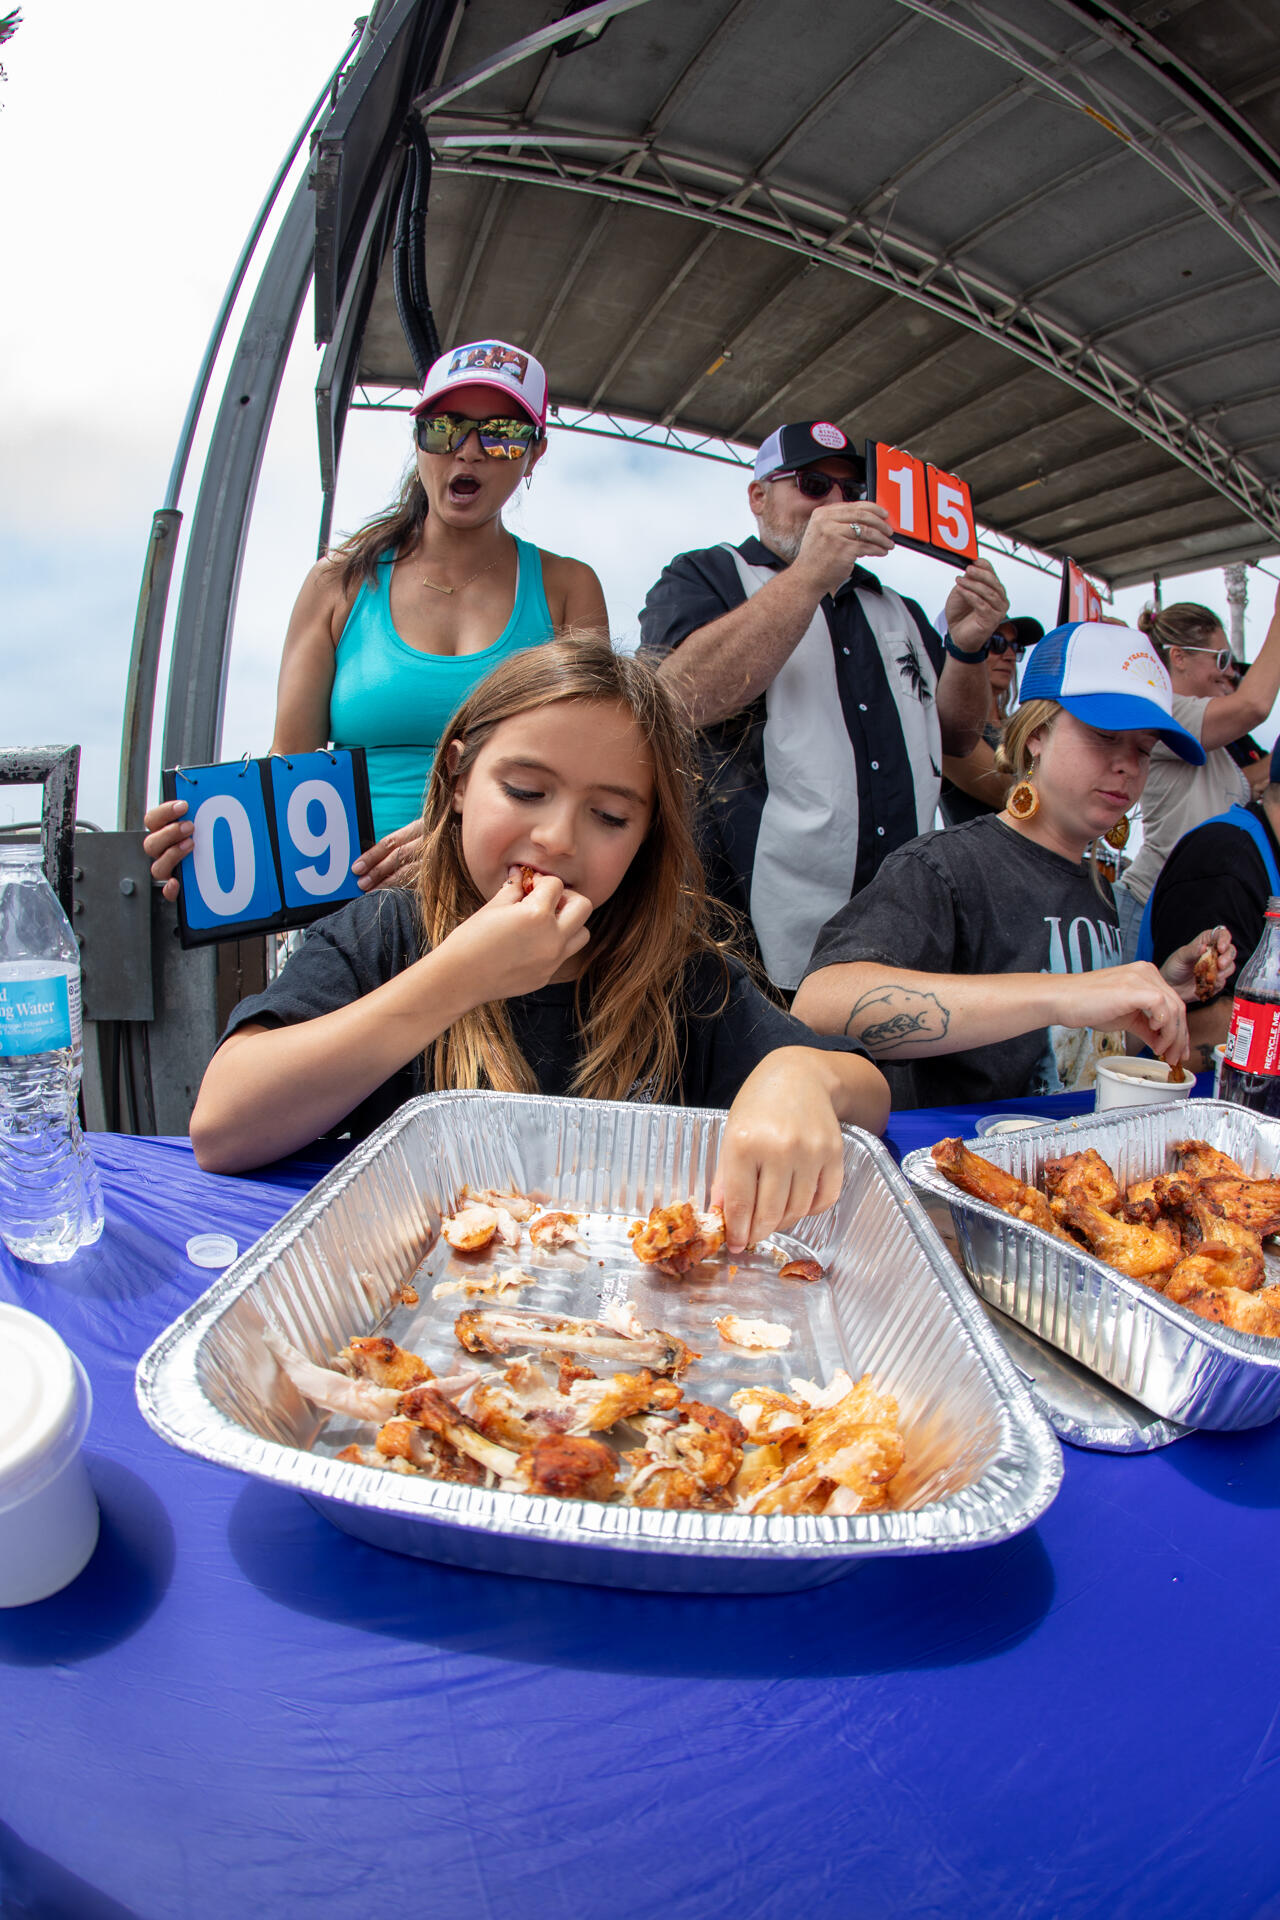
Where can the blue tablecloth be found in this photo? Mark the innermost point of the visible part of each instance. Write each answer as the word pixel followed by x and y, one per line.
pixel 239 1711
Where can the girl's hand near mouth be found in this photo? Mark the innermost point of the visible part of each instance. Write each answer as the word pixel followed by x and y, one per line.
pixel 519 942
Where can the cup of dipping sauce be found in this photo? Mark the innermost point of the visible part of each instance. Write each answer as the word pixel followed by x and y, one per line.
pixel 48 1512
pixel 1008 1122
pixel 1125 1082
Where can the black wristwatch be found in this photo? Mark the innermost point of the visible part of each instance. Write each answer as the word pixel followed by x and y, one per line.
pixel 958 653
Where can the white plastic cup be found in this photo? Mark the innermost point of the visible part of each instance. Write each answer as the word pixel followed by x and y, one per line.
pixel 1122 1082
pixel 48 1512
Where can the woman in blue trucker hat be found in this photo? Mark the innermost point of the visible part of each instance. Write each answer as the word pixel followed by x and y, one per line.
pixel 984 962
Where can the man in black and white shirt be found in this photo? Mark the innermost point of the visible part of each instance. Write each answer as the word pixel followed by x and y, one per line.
pixel 825 700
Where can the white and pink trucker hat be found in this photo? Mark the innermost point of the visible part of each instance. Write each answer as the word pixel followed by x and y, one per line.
pixel 1109 677
pixel 489 363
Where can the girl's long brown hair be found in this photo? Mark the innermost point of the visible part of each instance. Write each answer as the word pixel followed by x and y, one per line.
pixel 642 938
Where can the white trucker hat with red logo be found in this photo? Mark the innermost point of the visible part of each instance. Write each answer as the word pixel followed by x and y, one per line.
pixel 488 363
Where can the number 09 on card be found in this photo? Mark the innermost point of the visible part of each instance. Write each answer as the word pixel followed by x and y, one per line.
pixel 929 510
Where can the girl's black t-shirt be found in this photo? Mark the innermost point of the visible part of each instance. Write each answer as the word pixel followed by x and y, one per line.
pixel 728 1025
pixel 981 898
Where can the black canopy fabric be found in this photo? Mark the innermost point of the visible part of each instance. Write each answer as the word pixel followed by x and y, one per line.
pixel 1035 241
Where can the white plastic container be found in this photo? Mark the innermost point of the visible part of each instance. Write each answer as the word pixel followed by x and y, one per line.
pixel 1139 1083
pixel 48 1512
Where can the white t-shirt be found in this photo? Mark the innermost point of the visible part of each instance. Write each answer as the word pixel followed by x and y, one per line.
pixel 1178 797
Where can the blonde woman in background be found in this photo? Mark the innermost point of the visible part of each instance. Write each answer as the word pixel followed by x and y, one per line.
pixel 1215 711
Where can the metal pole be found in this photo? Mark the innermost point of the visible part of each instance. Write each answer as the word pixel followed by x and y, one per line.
pixel 1237 579
pixel 157 570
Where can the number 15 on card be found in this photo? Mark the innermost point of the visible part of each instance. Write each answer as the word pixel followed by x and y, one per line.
pixel 928 509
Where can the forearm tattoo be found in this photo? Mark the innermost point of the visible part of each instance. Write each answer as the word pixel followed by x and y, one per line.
pixel 888 1018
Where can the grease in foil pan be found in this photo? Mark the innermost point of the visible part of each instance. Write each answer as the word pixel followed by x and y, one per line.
pixel 1185 1369
pixel 981 1462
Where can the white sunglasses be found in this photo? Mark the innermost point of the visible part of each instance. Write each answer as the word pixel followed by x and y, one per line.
pixel 1221 655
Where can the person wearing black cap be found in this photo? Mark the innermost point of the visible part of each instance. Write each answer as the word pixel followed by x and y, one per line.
pixel 972 784
pixel 1223 870
pixel 825 700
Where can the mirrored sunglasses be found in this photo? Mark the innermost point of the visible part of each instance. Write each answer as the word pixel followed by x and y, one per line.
pixel 1000 643
pixel 1222 656
pixel 502 438
pixel 816 486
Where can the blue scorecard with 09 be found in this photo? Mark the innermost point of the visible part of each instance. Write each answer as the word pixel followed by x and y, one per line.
pixel 230 875
pixel 317 826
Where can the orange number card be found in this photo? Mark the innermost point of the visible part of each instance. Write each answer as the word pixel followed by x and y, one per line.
pixel 951 523
pixel 928 510
pixel 1078 598
pixel 898 484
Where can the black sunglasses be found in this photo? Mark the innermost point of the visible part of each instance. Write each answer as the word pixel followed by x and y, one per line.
pixel 1000 644
pixel 501 437
pixel 816 486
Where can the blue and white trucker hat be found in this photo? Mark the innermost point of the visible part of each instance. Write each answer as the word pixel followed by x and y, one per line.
pixel 1111 678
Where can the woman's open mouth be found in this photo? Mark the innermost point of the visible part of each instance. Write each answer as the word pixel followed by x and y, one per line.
pixel 463 487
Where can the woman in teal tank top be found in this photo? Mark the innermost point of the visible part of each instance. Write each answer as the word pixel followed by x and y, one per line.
pixel 390 697
pixel 393 629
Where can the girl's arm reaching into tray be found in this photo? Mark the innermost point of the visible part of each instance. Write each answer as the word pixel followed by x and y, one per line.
pixel 782 1156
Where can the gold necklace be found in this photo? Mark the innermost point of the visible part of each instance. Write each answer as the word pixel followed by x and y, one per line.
pixel 437 588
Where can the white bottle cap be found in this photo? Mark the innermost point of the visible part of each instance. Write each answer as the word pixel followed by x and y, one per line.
pixel 211 1249
pixel 48 1514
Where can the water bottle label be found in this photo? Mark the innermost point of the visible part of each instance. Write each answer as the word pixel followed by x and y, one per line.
pixel 1253 1044
pixel 35 1015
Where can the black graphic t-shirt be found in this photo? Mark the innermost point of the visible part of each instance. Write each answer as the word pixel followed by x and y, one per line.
pixel 981 898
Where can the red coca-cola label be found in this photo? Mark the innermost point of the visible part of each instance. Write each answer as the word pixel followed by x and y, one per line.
pixel 1253 1044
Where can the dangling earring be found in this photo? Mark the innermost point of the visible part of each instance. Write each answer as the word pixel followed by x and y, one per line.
pixel 1118 836
pixel 528 481
pixel 1024 802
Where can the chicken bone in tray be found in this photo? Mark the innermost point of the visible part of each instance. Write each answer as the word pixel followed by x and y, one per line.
pixel 535 1351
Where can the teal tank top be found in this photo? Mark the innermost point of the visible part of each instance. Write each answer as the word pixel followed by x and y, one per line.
pixel 395 701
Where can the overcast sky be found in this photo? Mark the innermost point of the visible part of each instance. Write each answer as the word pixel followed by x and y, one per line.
pixel 135 147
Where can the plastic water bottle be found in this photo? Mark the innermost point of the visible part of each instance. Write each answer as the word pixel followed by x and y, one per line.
pixel 50 1200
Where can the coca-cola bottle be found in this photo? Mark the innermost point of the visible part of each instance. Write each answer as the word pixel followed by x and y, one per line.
pixel 1251 1064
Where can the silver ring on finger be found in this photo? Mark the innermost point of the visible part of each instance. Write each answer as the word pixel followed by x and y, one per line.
pixel 855 528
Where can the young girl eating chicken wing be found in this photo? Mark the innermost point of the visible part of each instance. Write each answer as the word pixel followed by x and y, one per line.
pixel 566 767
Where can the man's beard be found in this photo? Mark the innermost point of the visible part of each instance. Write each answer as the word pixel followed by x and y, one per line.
pixel 785 545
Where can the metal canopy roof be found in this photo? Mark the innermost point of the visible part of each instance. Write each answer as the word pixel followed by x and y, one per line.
pixel 1036 242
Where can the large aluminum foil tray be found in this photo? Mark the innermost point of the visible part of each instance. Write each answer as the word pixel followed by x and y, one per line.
pixel 982 1462
pixel 1182 1367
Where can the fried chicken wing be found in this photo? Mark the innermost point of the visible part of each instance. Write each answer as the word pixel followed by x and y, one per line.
pixel 678 1237
pixel 1141 1252
pixel 689 1458
pixel 1197 1158
pixel 1082 1176
pixel 1249 1203
pixel 1235 1250
pixel 1206 974
pixel 570 1468
pixel 841 1461
pixel 985 1181
pixel 1192 1284
pixel 376 1357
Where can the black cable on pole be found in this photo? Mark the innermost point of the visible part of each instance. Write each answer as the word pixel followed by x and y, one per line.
pixel 418 237
pixel 401 275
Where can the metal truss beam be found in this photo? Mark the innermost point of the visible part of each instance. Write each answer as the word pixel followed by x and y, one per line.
pixel 1195 168
pixel 693 187
pixel 704 446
